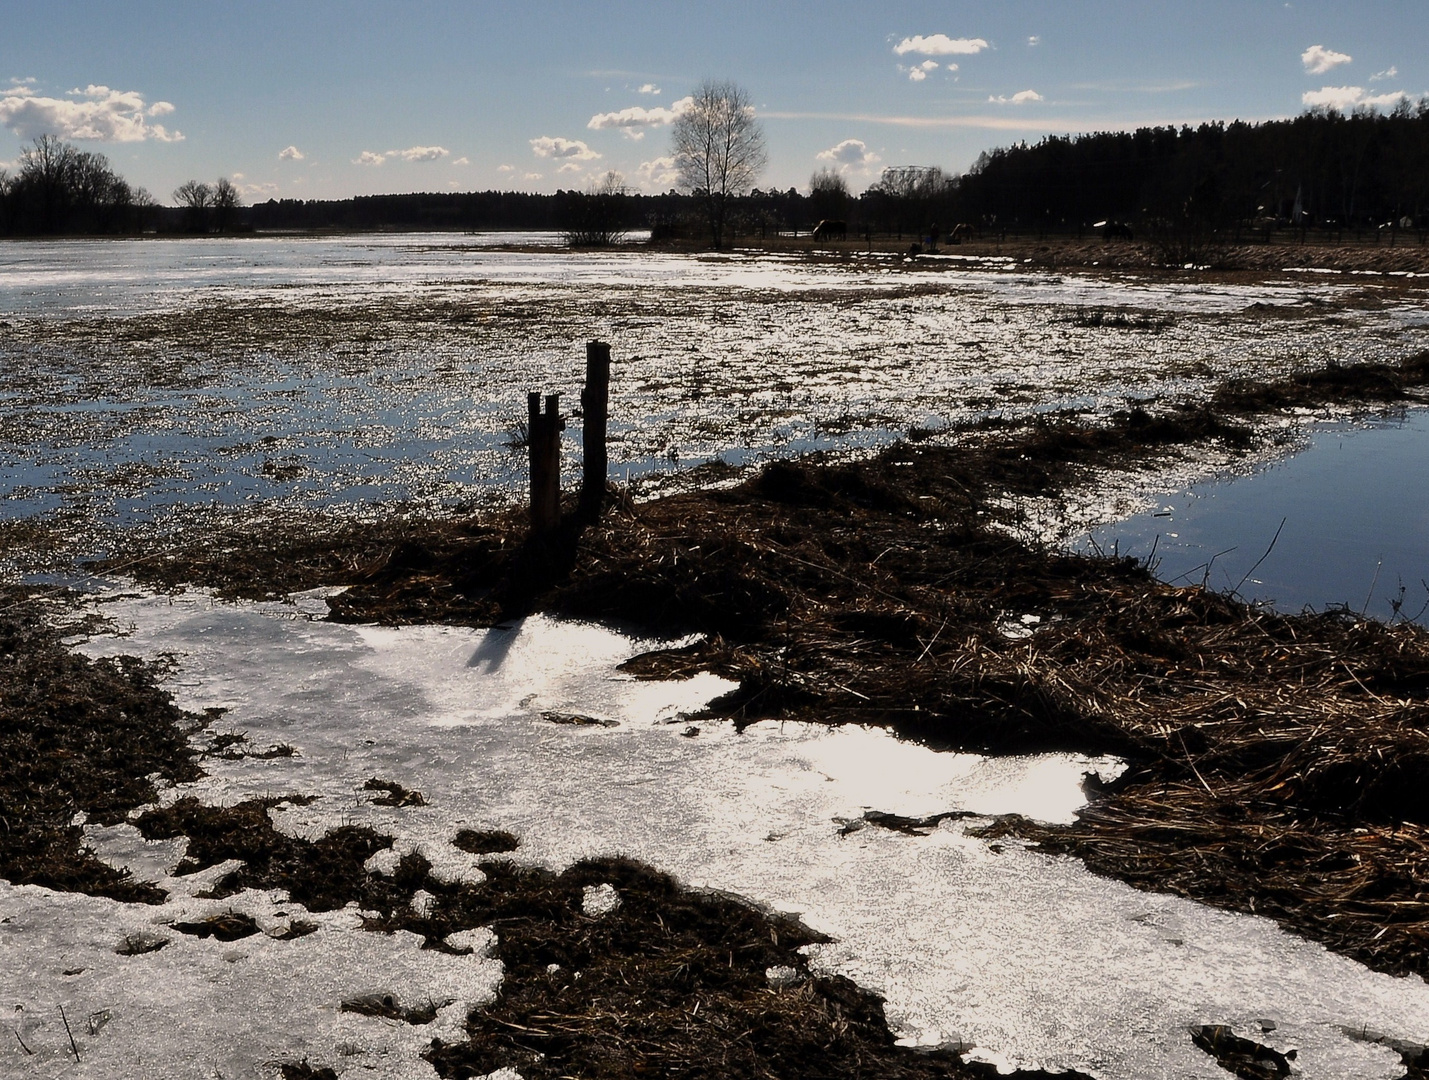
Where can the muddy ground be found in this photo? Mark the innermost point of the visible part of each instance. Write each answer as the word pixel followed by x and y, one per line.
pixel 1276 761
pixel 1346 252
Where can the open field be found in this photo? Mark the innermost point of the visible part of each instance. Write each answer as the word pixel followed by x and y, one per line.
pixel 257 449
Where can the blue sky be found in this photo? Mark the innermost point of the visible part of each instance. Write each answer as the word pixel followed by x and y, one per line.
pixel 321 99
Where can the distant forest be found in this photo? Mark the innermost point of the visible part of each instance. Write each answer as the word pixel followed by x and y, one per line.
pixel 1319 170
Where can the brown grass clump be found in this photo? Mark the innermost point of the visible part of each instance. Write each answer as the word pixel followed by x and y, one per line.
pixel 76 735
pixel 1276 759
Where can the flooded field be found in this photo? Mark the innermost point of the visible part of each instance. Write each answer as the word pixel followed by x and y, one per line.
pixel 158 381
pixel 889 695
pixel 1342 523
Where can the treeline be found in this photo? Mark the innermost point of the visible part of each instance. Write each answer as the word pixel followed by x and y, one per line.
pixel 60 189
pixel 1322 168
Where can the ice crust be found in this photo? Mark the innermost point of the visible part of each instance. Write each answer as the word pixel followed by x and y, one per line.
pixel 1029 959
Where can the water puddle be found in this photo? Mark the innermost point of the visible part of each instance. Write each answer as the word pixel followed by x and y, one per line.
pixel 1030 959
pixel 1355 511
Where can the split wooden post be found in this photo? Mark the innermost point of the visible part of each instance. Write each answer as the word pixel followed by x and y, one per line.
pixel 595 406
pixel 543 430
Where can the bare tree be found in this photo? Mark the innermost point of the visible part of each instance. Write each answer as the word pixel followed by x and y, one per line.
pixel 195 197
pixel 718 149
pixel 226 202
pixel 828 196
pixel 48 167
pixel 595 218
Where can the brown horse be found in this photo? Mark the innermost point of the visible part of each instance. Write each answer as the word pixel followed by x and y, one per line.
pixel 831 230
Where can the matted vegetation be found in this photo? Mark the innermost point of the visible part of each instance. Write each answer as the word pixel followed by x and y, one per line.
pixel 1275 759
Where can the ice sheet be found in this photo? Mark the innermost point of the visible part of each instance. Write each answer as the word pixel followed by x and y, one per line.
pixel 1028 958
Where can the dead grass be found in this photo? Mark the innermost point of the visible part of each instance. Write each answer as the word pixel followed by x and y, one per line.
pixel 76 735
pixel 1277 760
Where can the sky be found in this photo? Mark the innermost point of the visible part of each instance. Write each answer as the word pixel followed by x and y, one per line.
pixel 327 99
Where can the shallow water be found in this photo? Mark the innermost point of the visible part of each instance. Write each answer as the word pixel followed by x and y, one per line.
pixel 1351 511
pixel 163 380
pixel 1030 959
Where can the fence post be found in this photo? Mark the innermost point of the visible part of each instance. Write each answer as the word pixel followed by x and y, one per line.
pixel 595 406
pixel 544 438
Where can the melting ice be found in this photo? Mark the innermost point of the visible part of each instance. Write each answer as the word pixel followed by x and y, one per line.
pixel 1030 959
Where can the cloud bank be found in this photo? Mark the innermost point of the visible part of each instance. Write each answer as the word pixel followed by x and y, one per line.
pixel 940 45
pixel 96 114
pixel 548 146
pixel 1022 97
pixel 412 153
pixel 1344 98
pixel 634 120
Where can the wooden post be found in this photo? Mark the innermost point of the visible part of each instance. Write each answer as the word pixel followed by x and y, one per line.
pixel 595 405
pixel 544 438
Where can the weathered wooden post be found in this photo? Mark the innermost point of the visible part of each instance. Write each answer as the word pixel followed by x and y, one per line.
pixel 595 405
pixel 543 431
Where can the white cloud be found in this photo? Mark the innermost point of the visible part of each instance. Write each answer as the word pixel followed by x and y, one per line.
pixel 463 160
pixel 531 176
pixel 919 72
pixel 421 153
pixel 555 147
pixel 850 152
pixel 650 88
pixel 1318 59
pixel 1034 41
pixel 95 113
pixel 506 168
pixel 634 120
pixel 940 45
pixel 571 167
pixel 1022 97
pixel 659 174
pixel 290 153
pixel 412 153
pixel 1388 73
pixel 254 191
pixel 1345 98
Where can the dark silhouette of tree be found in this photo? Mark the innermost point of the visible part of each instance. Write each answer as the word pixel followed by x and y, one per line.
pixel 196 198
pixel 1322 169
pixel 719 150
pixel 59 189
pixel 226 201
pixel 596 217
pixel 828 197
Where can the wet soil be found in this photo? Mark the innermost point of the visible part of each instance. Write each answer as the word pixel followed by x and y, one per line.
pixel 1211 257
pixel 77 737
pixel 1275 760
pixel 671 982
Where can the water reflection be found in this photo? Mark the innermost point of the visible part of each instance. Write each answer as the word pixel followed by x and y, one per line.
pixel 1355 512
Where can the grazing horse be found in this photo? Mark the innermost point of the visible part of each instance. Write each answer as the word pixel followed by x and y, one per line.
pixel 961 232
pixel 1116 230
pixel 831 230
